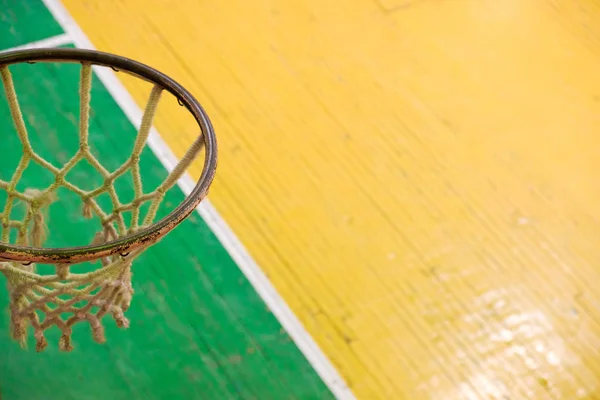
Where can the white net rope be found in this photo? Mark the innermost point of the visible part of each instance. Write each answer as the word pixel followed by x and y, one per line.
pixel 64 298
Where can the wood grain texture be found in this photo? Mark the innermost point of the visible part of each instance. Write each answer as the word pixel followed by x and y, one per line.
pixel 198 329
pixel 419 182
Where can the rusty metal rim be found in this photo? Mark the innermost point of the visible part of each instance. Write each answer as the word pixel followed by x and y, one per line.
pixel 156 231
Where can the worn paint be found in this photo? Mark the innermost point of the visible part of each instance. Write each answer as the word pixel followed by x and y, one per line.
pixel 198 329
pixel 419 179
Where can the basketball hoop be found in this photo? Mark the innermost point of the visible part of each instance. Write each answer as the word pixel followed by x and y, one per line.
pixel 42 300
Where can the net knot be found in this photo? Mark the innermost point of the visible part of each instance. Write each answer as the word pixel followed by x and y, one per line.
pixel 97 330
pixel 65 343
pixel 38 205
pixel 40 342
pixel 19 329
pixel 40 199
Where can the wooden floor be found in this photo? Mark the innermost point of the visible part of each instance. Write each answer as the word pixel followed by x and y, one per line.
pixel 198 332
pixel 419 179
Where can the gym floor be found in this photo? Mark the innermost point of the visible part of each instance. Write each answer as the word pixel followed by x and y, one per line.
pixel 415 180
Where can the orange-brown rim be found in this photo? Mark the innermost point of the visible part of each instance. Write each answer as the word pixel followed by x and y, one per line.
pixel 156 231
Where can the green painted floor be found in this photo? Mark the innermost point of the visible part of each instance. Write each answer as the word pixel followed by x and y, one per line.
pixel 198 329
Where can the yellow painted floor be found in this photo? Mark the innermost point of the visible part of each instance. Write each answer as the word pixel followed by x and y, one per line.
pixel 419 179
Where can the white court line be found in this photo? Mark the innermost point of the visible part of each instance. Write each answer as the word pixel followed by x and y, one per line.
pixel 230 242
pixel 54 41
